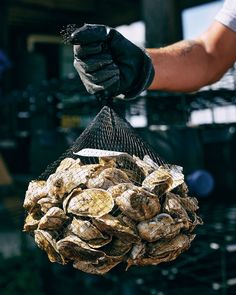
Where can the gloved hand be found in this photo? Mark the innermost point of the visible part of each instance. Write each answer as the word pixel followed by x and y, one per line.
pixel 108 63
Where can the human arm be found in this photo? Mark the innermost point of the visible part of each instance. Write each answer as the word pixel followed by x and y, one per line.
pixel 188 65
pixel 110 64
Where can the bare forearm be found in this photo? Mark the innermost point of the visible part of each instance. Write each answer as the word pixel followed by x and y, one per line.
pixel 189 65
pixel 182 66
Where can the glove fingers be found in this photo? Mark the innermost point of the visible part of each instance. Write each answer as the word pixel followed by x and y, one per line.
pixel 81 51
pixel 94 64
pixel 98 76
pixel 89 34
pixel 111 86
pixel 105 79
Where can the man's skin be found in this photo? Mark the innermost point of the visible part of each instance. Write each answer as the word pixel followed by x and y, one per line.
pixel 188 65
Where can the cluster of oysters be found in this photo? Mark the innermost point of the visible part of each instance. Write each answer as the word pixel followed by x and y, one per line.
pixel 120 209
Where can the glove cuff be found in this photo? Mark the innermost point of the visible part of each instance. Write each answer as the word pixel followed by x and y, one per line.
pixel 145 77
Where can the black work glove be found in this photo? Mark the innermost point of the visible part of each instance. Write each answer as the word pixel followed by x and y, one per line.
pixel 108 63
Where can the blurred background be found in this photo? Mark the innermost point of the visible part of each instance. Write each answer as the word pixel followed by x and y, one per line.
pixel 44 108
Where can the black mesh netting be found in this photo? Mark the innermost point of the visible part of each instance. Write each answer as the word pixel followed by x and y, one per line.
pixel 108 131
pixel 118 202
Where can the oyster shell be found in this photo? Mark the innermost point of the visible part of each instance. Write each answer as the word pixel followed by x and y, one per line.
pixel 176 173
pixel 36 191
pixel 163 251
pixel 138 204
pixel 53 219
pixel 72 247
pixel 190 204
pixel 67 163
pixel 194 221
pixel 63 182
pixel 47 203
pixel 108 177
pixel 127 164
pixel 172 206
pixel 118 189
pixel 46 242
pixel 162 226
pixel 127 221
pixel 117 248
pixel 181 190
pixel 85 230
pixel 138 250
pixel 67 199
pixel 146 168
pixel 147 159
pixel 174 247
pixel 164 179
pixel 108 162
pixel 90 202
pixel 100 267
pixel 158 182
pixel 31 223
pixel 116 227
pixel 115 252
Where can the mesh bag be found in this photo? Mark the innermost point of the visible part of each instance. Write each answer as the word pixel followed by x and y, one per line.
pixel 109 199
pixel 108 131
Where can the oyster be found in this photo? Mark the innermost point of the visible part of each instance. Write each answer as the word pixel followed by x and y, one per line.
pixel 138 250
pixel 119 189
pixel 53 219
pixel 163 251
pixel 48 202
pixel 127 164
pixel 98 243
pixel 46 242
pixel 146 168
pixel 181 190
pixel 127 221
pixel 66 200
pixel 176 173
pixel 138 204
pixel 116 227
pixel 162 226
pixel 108 162
pixel 72 247
pixel 31 223
pixel 172 206
pixel 115 252
pixel 174 247
pixel 194 221
pixel 190 204
pixel 67 163
pixel 85 230
pixel 100 267
pixel 117 248
pixel 147 159
pixel 63 182
pixel 90 202
pixel 158 182
pixel 36 191
pixel 108 177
